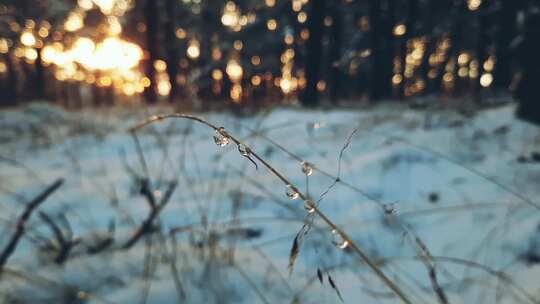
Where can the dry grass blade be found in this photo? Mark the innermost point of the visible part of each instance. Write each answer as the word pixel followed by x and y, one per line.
pixel 354 247
pixel 334 286
pixel 297 242
pixel 295 250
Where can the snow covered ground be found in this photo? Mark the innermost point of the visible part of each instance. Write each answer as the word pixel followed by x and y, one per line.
pixel 463 185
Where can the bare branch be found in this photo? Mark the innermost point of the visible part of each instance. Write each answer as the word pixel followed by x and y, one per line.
pixel 23 219
pixel 147 226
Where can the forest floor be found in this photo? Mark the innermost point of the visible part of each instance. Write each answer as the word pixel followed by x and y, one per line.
pixel 465 186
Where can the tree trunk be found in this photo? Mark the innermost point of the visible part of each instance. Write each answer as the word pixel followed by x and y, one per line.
pixel 507 30
pixel 409 33
pixel 314 52
pixel 150 14
pixel 382 49
pixel 8 93
pixel 40 76
pixel 481 53
pixel 172 47
pixel 336 43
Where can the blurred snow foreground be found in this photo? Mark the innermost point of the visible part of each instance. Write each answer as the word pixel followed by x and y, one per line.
pixel 460 184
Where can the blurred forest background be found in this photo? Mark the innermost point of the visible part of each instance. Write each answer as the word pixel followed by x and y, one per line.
pixel 207 54
pixel 441 203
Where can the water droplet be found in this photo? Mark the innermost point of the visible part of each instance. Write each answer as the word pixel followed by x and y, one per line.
pixel 344 245
pixel 220 139
pixel 307 169
pixel 243 149
pixel 338 240
pixel 82 295
pixel 390 209
pixel 291 193
pixel 309 206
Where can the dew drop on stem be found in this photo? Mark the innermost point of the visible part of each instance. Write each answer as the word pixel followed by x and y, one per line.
pixel 338 240
pixel 309 206
pixel 307 169
pixel 220 139
pixel 243 149
pixel 291 193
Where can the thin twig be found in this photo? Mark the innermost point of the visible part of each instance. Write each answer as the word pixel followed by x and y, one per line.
pixel 23 219
pixel 155 209
pixel 65 243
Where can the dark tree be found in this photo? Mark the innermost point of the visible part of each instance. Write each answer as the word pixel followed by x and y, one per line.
pixel 481 43
pixel 40 76
pixel 310 97
pixel 381 25
pixel 151 17
pixel 336 42
pixel 506 31
pixel 412 8
pixel 526 51
pixel 8 89
pixel 172 47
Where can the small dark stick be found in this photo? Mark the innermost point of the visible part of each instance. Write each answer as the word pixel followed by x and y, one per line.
pixel 65 240
pixel 319 275
pixel 25 216
pixel 155 209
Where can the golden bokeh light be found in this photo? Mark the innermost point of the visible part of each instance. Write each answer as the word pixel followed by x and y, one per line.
pixel 486 80
pixel 238 45
pixel 236 93
pixel 234 70
pixel 255 60
pixel 400 29
pixel 474 4
pixel 74 22
pixel 302 17
pixel 271 24
pixel 181 33
pixel 256 80
pixel 321 85
pixel 217 74
pixel 193 51
pixel 160 65
pixel 28 39
pixel 4 46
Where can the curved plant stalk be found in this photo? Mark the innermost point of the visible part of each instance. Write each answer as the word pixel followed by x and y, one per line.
pixel 346 238
pixel 417 243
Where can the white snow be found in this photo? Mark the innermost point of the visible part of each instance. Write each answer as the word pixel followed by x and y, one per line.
pixel 472 220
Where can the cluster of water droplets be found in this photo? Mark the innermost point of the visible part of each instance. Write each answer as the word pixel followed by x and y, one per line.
pixel 307 168
pixel 338 240
pixel 291 193
pixel 220 138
